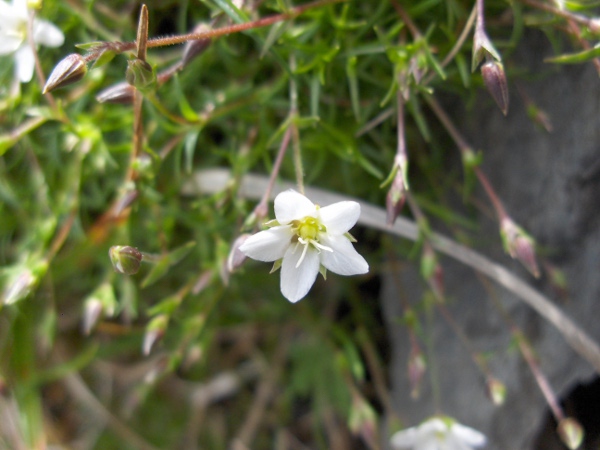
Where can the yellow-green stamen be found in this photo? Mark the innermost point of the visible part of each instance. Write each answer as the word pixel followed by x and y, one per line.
pixel 306 232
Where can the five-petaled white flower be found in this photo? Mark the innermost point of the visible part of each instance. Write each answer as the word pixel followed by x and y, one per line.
pixel 438 433
pixel 307 237
pixel 13 36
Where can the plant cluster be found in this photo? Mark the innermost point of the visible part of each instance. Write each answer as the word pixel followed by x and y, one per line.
pixel 138 175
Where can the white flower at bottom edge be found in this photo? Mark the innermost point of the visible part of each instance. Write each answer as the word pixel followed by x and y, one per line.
pixel 13 36
pixel 438 433
pixel 306 237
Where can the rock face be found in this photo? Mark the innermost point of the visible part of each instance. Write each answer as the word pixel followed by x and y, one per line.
pixel 550 185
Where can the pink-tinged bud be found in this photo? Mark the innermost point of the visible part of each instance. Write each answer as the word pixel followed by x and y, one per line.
pixel 70 70
pixel 155 331
pixel 519 245
pixel 125 259
pixel 120 93
pixel 570 432
pixel 19 287
pixel 495 82
pixel 363 420
pixel 92 310
pixel 195 47
pixel 416 370
pixel 236 258
pixel 496 391
pixel 395 198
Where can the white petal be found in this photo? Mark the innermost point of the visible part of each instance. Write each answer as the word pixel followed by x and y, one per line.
pixel 291 205
pixel 25 61
pixel 297 281
pixel 433 426
pixel 48 34
pixel 344 259
pixel 9 43
pixel 404 439
pixel 9 17
pixel 339 217
pixel 268 245
pixel 468 435
pixel 20 8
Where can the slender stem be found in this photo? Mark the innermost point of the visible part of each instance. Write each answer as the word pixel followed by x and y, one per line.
pixel 121 47
pixel 465 148
pixel 480 22
pixel 295 135
pixel 540 378
pixel 565 14
pixel 261 209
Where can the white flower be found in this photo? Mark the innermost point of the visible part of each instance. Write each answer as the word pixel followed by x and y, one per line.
pixel 13 36
pixel 307 237
pixel 438 433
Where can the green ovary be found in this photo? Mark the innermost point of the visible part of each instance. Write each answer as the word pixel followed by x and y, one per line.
pixel 308 229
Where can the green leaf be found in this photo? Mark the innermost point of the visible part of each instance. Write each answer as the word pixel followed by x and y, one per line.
pixel 164 263
pixel 576 58
pixel 227 6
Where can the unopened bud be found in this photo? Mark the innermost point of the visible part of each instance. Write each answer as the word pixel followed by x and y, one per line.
pixel 363 419
pixel 19 287
pixel 519 245
pixel 154 332
pixel 495 82
pixel 92 310
pixel 195 47
pixel 141 75
pixel 121 93
pixel 125 259
pixel 236 257
pixel 570 432
pixel 416 370
pixel 395 198
pixel 70 70
pixel 496 391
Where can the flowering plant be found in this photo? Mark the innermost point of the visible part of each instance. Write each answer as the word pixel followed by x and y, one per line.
pixel 307 239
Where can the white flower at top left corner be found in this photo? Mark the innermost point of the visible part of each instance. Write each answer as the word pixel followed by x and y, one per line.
pixel 13 36
pixel 306 237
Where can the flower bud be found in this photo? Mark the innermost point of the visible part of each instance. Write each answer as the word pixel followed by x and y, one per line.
pixel 92 310
pixel 519 245
pixel 141 75
pixel 494 79
pixel 125 259
pixel 570 432
pixel 416 370
pixel 19 287
pixel 70 70
pixel 121 93
pixel 195 47
pixel 363 419
pixel 236 257
pixel 496 391
pixel 155 331
pixel 395 198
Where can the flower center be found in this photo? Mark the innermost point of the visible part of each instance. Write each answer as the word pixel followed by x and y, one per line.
pixel 308 229
pixel 306 233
